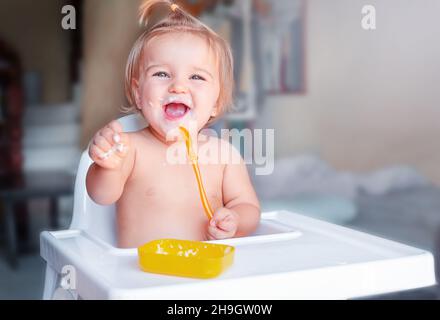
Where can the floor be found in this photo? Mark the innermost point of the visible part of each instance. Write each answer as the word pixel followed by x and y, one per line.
pixel 410 216
pixel 27 281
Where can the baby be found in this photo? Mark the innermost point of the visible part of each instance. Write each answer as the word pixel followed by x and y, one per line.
pixel 179 73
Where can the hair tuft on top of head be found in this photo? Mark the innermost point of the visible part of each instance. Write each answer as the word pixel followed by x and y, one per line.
pixel 151 11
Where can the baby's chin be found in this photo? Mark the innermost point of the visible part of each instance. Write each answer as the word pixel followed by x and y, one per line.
pixel 167 134
pixel 171 128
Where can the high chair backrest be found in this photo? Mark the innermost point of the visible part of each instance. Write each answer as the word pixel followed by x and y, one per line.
pixel 87 215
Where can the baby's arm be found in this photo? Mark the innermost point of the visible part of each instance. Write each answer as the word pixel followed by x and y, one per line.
pixel 112 165
pixel 239 196
pixel 240 215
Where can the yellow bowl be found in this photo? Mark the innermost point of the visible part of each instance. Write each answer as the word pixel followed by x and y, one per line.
pixel 185 258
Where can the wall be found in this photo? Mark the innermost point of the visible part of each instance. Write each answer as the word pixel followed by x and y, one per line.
pixel 34 31
pixel 110 29
pixel 373 97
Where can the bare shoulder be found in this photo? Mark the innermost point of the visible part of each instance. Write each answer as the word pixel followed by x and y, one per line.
pixel 227 153
pixel 140 137
pixel 140 142
pixel 139 146
pixel 135 136
pixel 212 139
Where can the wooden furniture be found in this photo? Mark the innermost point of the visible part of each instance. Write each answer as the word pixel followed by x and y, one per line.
pixel 16 189
pixel 11 109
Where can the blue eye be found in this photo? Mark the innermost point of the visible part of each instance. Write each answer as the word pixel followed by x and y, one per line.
pixel 160 74
pixel 197 77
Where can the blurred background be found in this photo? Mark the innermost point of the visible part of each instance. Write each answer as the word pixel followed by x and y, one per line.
pixel 356 112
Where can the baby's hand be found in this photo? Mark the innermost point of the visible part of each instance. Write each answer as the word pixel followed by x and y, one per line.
pixel 109 146
pixel 223 224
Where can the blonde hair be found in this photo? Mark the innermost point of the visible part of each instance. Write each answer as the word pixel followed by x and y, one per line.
pixel 162 17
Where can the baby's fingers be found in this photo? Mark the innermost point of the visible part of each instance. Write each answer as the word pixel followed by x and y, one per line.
pixel 113 131
pixel 102 158
pixel 118 141
pixel 122 143
pixel 101 143
pixel 110 135
pixel 95 152
pixel 215 233
pixel 227 225
pixel 115 126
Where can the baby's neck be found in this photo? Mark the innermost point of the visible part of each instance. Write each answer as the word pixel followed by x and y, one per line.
pixel 158 137
pixel 161 139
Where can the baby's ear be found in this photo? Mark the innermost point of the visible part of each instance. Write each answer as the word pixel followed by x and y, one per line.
pixel 135 89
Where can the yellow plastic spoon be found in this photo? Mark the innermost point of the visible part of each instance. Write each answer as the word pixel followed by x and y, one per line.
pixel 193 158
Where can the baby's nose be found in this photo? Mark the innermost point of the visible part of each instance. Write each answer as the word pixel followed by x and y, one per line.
pixel 178 88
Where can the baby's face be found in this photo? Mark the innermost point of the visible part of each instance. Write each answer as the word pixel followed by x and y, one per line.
pixel 178 83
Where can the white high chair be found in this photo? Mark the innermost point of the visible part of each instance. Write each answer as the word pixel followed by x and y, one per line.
pixel 289 257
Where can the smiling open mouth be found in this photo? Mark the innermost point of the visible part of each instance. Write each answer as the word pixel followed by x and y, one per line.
pixel 175 111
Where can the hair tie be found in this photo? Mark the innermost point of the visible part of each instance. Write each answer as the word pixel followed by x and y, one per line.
pixel 174 7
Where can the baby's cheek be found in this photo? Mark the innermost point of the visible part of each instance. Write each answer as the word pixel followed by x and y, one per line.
pixel 153 90
pixel 207 104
